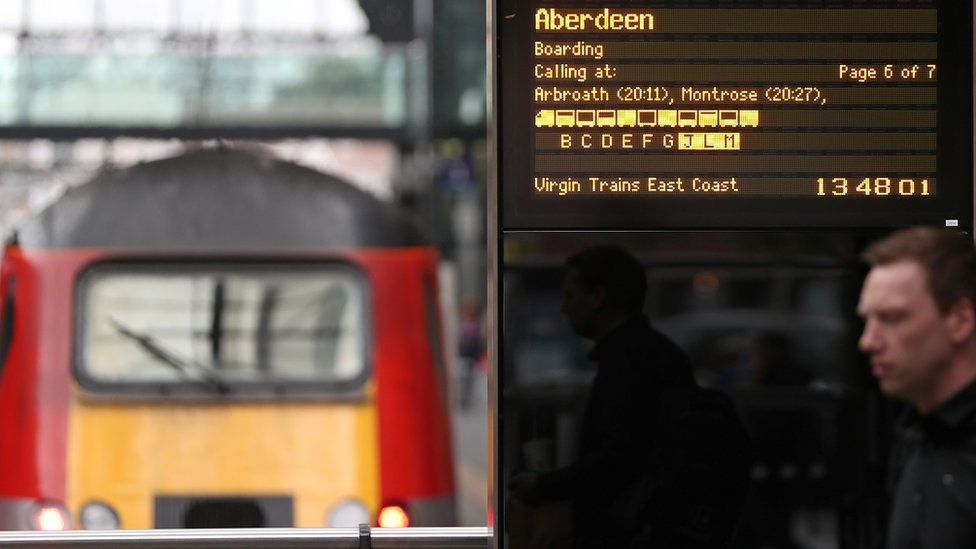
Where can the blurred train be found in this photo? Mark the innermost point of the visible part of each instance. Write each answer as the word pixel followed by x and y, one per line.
pixel 221 340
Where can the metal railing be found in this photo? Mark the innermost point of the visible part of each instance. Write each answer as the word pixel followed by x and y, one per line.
pixel 271 538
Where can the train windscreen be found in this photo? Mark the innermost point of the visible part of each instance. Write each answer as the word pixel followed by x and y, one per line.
pixel 199 325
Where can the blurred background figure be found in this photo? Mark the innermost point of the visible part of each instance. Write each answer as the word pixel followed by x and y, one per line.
pixel 471 348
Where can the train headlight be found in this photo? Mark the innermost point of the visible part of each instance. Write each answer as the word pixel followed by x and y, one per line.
pixel 348 514
pixel 49 516
pixel 393 516
pixel 99 516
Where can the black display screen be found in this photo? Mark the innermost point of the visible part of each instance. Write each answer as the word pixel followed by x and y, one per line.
pixel 737 114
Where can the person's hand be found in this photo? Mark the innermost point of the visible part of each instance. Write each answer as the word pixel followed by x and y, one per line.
pixel 523 488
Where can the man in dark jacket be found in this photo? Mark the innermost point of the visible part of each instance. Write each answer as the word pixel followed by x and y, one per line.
pixel 920 335
pixel 652 458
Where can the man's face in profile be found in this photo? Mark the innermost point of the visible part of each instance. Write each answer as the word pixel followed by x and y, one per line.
pixel 905 334
pixel 580 305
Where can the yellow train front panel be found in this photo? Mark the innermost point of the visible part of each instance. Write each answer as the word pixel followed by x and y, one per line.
pixel 128 454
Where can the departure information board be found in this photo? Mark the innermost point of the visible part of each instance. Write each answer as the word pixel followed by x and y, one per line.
pixel 734 114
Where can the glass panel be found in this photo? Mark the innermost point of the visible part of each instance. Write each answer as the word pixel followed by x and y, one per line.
pixel 818 296
pixel 763 318
pixel 228 325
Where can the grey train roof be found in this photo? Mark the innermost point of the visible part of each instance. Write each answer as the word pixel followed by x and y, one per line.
pixel 218 200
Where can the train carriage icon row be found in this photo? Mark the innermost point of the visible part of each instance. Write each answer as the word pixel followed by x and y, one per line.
pixel 640 118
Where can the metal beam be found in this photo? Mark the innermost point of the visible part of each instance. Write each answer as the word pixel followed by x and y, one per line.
pixel 71 133
pixel 270 538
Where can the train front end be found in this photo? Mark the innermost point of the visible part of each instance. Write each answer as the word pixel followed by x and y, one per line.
pixel 256 371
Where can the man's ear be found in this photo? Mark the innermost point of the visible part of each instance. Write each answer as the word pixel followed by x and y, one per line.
pixel 961 320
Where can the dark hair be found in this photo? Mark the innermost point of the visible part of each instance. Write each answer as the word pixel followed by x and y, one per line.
pixel 947 257
pixel 616 271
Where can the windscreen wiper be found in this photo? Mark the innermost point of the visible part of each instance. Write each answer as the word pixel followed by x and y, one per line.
pixel 179 364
